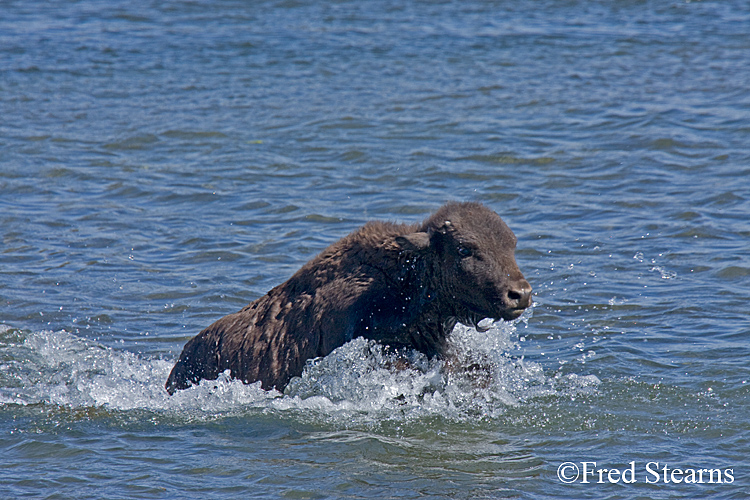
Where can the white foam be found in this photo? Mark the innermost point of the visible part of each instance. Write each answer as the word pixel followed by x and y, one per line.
pixel 360 381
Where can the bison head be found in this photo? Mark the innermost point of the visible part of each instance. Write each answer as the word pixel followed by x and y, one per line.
pixel 474 267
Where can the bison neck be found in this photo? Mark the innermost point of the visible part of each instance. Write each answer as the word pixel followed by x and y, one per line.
pixel 405 312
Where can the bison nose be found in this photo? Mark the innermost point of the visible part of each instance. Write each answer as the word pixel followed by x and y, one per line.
pixel 519 295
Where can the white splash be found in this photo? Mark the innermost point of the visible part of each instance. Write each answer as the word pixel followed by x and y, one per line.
pixel 360 381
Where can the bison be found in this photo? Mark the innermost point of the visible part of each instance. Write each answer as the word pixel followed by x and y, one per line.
pixel 404 286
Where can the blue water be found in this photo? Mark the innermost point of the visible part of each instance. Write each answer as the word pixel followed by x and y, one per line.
pixel 163 164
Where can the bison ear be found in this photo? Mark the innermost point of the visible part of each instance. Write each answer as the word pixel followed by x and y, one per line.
pixel 413 242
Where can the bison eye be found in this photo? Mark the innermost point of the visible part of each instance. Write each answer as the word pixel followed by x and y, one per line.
pixel 465 252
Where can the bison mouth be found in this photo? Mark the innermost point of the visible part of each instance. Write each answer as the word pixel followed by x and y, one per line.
pixel 511 314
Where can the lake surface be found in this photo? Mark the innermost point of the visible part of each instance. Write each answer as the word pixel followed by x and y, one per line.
pixel 162 164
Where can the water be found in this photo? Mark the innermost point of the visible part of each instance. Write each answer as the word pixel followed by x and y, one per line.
pixel 162 165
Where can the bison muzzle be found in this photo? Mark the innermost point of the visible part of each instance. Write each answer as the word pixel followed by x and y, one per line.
pixel 405 286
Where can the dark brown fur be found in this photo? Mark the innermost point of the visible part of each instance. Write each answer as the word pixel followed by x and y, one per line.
pixel 402 285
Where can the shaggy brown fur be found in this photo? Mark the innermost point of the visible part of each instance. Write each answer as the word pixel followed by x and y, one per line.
pixel 401 285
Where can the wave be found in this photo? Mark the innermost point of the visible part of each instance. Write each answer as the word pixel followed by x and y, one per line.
pixel 358 382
